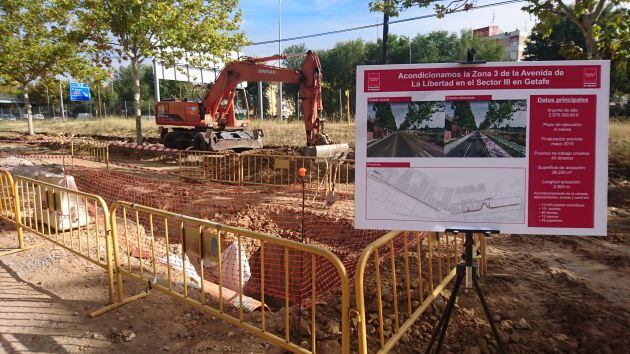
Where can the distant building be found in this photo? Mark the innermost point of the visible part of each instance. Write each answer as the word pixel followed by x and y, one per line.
pixel 512 42
pixel 451 128
pixel 374 130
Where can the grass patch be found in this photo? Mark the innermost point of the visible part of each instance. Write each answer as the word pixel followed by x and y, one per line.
pixel 276 133
pixel 294 134
pixel 115 127
pixel 619 147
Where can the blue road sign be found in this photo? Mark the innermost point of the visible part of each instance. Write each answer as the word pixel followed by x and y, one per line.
pixel 79 91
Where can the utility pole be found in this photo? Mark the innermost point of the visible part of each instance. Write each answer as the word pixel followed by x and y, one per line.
pixel 156 81
pixel 63 112
pixel 385 32
pixel 280 53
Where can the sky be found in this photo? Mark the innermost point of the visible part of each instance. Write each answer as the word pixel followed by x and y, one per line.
pixel 260 21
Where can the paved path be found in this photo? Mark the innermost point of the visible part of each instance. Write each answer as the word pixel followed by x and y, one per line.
pixel 473 146
pixel 403 144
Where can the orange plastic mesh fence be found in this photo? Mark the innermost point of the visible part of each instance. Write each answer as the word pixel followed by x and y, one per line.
pixel 258 208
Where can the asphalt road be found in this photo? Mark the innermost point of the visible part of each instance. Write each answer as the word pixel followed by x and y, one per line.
pixel 471 147
pixel 402 144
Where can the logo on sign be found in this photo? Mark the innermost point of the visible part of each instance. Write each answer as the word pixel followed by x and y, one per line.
pixel 373 81
pixel 590 77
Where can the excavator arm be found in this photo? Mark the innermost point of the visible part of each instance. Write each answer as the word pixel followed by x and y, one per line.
pixel 218 104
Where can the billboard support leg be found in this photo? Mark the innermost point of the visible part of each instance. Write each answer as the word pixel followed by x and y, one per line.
pixel 466 271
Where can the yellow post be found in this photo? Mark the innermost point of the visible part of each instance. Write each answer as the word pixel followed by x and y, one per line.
pixel 17 212
pixel 348 106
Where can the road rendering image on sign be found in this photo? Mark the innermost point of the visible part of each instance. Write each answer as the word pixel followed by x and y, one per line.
pixel 446 128
pixel 405 129
pixel 517 147
pixel 485 128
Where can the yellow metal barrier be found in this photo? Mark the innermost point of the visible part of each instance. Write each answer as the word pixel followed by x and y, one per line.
pixel 326 175
pixel 205 265
pixel 282 170
pixel 89 149
pixel 342 177
pixel 210 166
pixel 9 208
pixel 428 265
pixel 74 220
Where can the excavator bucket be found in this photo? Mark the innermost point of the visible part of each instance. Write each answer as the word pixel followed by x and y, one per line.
pixel 332 151
pixel 235 140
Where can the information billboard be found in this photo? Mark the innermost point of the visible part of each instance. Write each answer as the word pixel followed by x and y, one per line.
pixel 520 147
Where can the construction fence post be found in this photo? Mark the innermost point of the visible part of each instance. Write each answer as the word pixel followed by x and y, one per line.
pixel 17 212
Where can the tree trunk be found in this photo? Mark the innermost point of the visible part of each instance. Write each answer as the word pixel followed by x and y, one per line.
pixel 591 44
pixel 135 75
pixel 100 103
pixel 592 49
pixel 385 35
pixel 29 115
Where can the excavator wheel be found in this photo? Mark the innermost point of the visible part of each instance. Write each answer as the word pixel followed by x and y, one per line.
pixel 199 142
pixel 170 141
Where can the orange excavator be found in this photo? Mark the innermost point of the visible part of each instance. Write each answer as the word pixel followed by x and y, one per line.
pixel 217 123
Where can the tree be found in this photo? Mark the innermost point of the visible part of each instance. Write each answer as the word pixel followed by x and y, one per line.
pixel 584 14
pixel 487 49
pixel 500 113
pixel 36 43
pixel 192 30
pixel 294 61
pixel 384 116
pixel 463 115
pixel 562 40
pixel 420 112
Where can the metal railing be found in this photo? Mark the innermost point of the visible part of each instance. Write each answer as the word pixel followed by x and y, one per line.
pixel 206 265
pixel 428 265
pixel 327 176
pixel 73 220
pixel 209 166
pixel 89 149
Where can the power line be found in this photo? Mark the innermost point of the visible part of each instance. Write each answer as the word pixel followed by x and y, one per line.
pixel 507 2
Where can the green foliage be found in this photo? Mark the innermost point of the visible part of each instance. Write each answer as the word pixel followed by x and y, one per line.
pixel 294 62
pixel 339 63
pixel 501 112
pixel 384 116
pixel 463 114
pixel 420 112
pixel 37 43
pixel 585 15
pixel 562 39
pixel 394 7
pixel 168 31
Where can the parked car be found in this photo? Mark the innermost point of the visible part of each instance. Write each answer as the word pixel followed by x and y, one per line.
pixel 38 116
pixel 84 115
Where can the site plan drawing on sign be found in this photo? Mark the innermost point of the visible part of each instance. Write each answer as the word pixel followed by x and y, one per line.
pixel 415 193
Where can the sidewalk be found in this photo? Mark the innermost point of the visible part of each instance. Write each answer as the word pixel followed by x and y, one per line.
pixel 455 143
pixel 493 149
